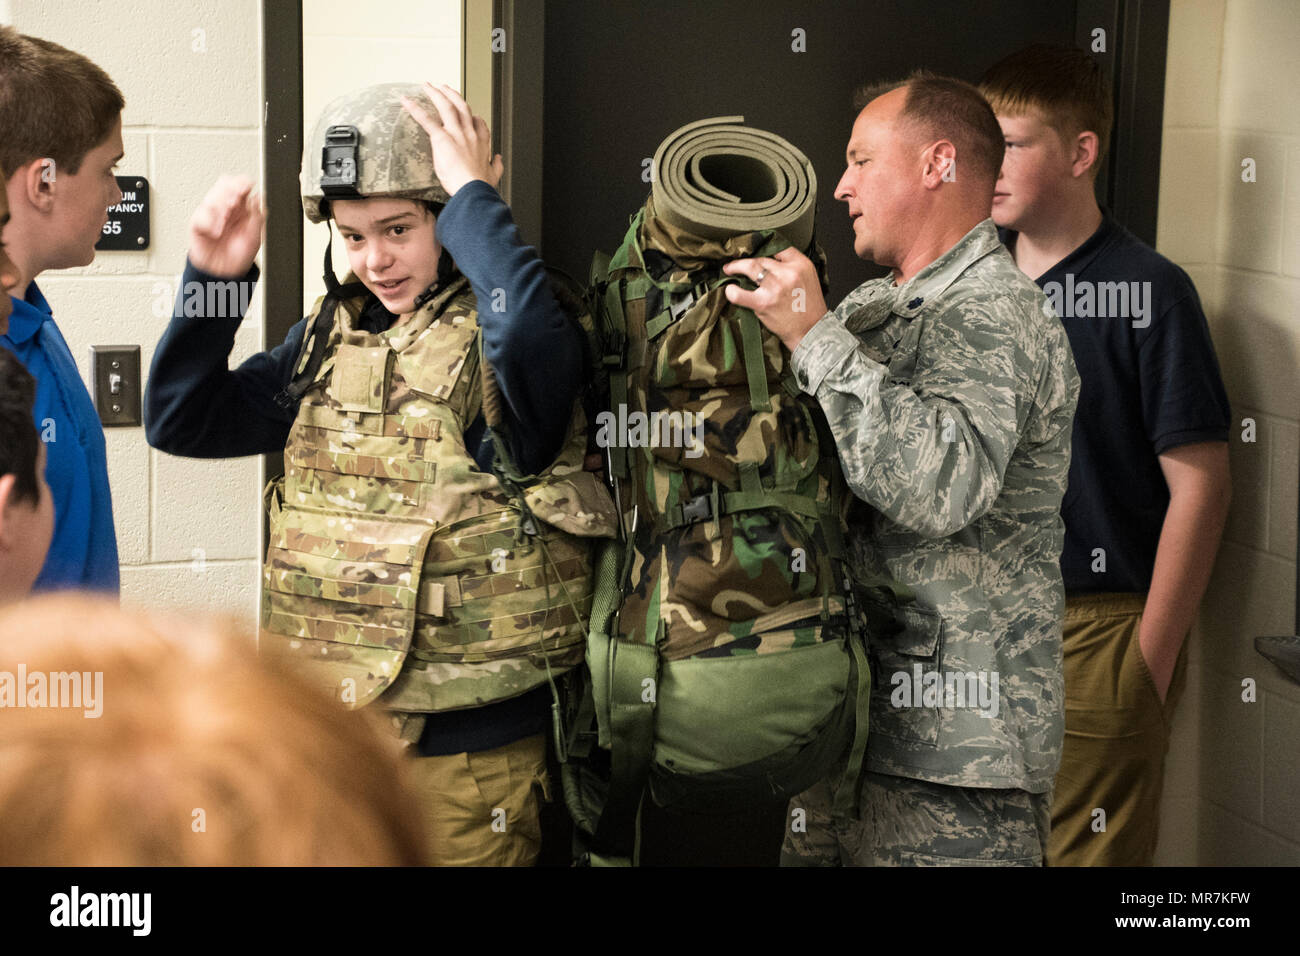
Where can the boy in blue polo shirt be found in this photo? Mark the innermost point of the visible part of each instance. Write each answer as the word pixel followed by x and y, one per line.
pixel 62 123
pixel 1148 488
pixel 26 512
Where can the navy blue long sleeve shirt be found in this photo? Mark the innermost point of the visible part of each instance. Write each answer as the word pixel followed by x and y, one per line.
pixel 196 406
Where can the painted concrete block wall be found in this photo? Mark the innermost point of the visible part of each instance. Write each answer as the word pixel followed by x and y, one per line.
pixel 347 46
pixel 1234 67
pixel 191 75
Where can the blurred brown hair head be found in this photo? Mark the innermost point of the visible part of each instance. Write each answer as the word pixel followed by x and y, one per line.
pixel 1066 87
pixel 203 755
pixel 53 103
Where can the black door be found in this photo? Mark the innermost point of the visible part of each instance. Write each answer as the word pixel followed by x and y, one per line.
pixel 616 78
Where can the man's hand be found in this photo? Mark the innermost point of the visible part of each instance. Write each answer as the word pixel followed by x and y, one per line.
pixel 226 228
pixel 462 144
pixel 788 299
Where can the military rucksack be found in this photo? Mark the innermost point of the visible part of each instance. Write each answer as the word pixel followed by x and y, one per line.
pixel 726 662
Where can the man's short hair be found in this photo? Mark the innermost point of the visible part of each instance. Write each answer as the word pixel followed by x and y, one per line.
pixel 53 103
pixel 950 109
pixel 1067 87
pixel 19 450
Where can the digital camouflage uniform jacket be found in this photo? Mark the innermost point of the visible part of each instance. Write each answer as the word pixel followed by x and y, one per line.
pixel 951 399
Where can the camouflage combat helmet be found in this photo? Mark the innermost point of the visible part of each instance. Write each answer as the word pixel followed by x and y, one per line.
pixel 365 145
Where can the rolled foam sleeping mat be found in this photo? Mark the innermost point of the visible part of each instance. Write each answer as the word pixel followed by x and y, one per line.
pixel 718 178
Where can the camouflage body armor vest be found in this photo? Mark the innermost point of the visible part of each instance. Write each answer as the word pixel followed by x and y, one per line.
pixel 398 572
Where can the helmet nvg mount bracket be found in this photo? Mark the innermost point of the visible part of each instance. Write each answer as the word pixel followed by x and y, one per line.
pixel 339 163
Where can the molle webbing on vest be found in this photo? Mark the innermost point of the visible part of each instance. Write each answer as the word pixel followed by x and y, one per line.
pixel 397 571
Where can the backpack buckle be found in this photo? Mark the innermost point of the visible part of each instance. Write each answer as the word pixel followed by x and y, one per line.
pixel 615 354
pixel 699 508
pixel 677 307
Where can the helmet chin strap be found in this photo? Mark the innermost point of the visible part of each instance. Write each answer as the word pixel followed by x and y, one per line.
pixel 425 296
pixel 446 272
pixel 331 281
pixel 312 351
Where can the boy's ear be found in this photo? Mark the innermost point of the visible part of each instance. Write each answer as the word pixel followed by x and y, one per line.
pixel 37 181
pixel 1084 158
pixel 6 504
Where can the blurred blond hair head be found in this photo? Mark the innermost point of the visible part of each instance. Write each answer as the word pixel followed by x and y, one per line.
pixel 201 755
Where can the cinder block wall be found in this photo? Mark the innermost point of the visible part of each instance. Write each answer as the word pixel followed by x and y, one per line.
pixel 1233 791
pixel 191 74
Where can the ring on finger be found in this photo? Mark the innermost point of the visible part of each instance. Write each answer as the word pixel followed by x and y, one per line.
pixel 758 279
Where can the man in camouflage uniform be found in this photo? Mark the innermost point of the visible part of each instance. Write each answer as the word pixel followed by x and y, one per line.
pixel 950 390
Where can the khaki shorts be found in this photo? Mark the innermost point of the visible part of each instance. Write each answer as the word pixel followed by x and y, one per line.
pixel 1116 737
pixel 482 809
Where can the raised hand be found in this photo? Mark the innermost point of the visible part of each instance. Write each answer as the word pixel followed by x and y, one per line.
pixel 226 228
pixel 461 143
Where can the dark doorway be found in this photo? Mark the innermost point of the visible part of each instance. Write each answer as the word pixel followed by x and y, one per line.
pixel 615 79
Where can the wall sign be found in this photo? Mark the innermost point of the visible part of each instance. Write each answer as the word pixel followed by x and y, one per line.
pixel 128 222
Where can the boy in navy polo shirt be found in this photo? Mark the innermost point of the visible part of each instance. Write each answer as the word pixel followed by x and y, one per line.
pixel 62 123
pixel 1148 489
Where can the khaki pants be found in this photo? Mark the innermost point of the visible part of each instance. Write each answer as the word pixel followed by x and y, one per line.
pixel 1116 737
pixel 482 809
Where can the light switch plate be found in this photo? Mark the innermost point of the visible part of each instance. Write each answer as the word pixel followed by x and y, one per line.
pixel 115 376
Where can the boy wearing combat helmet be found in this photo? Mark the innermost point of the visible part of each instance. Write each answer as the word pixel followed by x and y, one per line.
pixel 429 541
